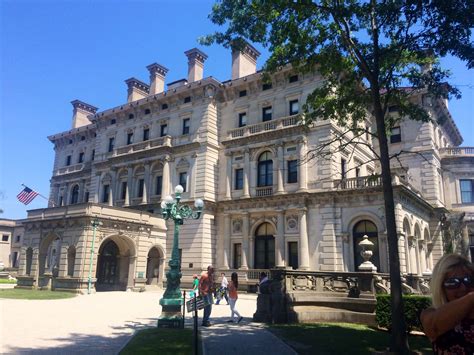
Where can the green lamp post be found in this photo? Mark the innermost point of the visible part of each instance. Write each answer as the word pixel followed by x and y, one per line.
pixel 172 299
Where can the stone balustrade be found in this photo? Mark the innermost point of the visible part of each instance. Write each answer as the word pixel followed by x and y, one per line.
pixel 258 128
pixel 457 152
pixel 71 169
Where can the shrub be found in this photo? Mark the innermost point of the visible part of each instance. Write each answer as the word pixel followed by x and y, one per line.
pixel 413 305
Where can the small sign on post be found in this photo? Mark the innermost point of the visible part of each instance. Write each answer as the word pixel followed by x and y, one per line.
pixel 200 303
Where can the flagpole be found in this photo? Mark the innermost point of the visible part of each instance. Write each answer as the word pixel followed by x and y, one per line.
pixel 47 199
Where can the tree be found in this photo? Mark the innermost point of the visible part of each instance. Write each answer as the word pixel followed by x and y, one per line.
pixel 366 50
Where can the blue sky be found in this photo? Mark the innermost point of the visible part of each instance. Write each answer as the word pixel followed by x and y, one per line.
pixel 52 52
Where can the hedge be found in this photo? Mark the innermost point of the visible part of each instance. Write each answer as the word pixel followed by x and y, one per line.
pixel 413 305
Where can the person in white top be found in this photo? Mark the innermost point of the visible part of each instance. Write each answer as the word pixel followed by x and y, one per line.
pixel 222 292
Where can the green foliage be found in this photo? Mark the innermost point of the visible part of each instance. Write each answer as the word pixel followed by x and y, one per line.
pixel 7 281
pixel 341 338
pixel 161 341
pixel 413 305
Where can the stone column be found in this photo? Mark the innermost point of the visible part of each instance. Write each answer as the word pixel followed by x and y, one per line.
pixel 192 178
pixel 131 272
pixel 280 168
pixel 422 249
pixel 251 251
pixel 246 173
pixel 344 240
pixel 228 177
pixel 402 255
pixel 280 240
pixel 303 244
pixel 81 191
pixel 383 252
pixel 62 272
pixel 166 180
pixel 129 184
pixel 302 179
pixel 225 261
pixel 245 240
pixel 113 179
pixel 146 179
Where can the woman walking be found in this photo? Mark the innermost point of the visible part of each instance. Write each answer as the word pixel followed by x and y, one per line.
pixel 232 287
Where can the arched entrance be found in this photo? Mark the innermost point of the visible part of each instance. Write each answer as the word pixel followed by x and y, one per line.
pixel 154 261
pixel 368 228
pixel 264 247
pixel 116 264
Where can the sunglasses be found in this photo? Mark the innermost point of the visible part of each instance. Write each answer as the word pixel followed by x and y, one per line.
pixel 455 282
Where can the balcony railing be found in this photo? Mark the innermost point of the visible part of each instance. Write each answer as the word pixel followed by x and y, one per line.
pixel 362 182
pixel 71 169
pixel 263 127
pixel 264 191
pixel 457 152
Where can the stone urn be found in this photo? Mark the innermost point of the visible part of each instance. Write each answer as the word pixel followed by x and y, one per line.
pixel 366 247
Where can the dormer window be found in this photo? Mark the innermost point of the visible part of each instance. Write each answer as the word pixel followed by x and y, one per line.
pixel 242 93
pixel 293 79
pixel 266 86
pixel 187 99
pixel 113 121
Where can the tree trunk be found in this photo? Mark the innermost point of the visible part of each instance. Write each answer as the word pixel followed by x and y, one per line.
pixel 398 341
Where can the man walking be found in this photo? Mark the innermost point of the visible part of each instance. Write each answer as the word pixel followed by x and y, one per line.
pixel 206 282
pixel 223 290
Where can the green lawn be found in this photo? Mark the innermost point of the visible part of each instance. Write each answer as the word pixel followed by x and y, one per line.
pixel 161 341
pixel 7 281
pixel 22 294
pixel 340 338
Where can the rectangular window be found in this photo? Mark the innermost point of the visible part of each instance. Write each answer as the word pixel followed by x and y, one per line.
pixel 81 157
pixel 158 185
pixel 266 113
pixel 68 160
pixel 163 130
pixel 266 86
pixel 129 138
pixel 237 259
pixel 242 93
pixel 294 107
pixel 93 155
pixel 467 191
pixel 186 126
pixel 18 238
pixel 146 134
pixel 242 119
pixel 239 179
pixel 141 185
pixel 343 168
pixel 292 171
pixel 293 254
pixel 164 106
pixel 111 144
pixel 86 196
pixel 395 135
pixel 357 172
pixel 105 194
pixel 187 99
pixel 293 79
pixel 183 177
pixel 123 191
pixel 5 238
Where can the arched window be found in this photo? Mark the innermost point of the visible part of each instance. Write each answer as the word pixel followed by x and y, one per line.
pixel 29 261
pixel 71 260
pixel 264 246
pixel 75 195
pixel 370 229
pixel 265 170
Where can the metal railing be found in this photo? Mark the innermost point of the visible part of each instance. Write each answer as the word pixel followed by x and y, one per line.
pixel 263 191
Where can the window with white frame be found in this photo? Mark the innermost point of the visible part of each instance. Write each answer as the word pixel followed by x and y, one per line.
pixel 467 190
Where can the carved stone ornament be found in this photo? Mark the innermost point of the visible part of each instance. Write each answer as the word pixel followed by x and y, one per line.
pixel 236 226
pixel 292 223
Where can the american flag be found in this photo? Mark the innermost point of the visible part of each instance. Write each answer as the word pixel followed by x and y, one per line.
pixel 26 195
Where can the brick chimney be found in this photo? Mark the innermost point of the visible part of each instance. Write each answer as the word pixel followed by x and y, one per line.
pixel 136 89
pixel 196 59
pixel 80 112
pixel 244 61
pixel 157 78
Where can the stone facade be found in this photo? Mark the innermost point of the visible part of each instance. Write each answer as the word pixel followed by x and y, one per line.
pixel 237 145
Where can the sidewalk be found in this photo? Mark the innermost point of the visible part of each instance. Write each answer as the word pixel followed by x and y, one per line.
pixel 245 337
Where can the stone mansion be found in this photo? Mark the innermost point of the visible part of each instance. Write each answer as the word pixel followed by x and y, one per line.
pixel 238 146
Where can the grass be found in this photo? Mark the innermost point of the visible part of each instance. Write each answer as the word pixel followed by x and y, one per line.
pixel 340 338
pixel 22 294
pixel 161 341
pixel 7 281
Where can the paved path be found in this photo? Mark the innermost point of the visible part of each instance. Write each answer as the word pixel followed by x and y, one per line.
pixel 104 322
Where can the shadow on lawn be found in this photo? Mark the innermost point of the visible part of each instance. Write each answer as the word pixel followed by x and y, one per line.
pixel 334 339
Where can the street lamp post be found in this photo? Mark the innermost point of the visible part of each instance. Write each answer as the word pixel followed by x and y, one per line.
pixel 95 223
pixel 172 299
